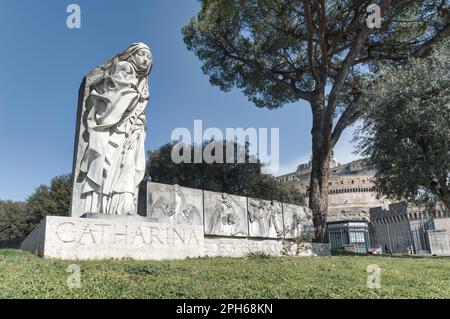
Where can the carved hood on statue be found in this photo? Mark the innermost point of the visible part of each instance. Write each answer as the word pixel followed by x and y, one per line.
pixel 114 158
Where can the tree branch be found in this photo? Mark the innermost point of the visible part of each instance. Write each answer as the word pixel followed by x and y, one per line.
pixel 273 73
pixel 347 117
pixel 427 46
pixel 322 34
pixel 309 26
pixel 348 63
pixel 351 112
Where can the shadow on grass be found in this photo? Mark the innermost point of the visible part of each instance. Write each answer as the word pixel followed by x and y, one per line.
pixel 10 244
pixel 404 256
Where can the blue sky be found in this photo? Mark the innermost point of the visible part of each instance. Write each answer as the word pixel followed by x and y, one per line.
pixel 43 63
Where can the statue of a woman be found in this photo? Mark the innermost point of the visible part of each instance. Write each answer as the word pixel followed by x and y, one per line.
pixel 113 161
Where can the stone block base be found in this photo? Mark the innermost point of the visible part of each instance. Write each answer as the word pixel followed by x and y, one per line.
pixel 240 247
pixel 142 239
pixel 86 238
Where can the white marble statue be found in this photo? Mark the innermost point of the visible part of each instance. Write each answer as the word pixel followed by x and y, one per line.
pixel 112 163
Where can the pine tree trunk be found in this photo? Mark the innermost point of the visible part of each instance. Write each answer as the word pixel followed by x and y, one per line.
pixel 318 197
pixel 446 201
pixel 318 191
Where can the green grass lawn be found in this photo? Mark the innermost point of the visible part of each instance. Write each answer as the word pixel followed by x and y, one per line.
pixel 23 275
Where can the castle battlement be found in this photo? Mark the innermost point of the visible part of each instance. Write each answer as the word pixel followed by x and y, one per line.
pixel 351 188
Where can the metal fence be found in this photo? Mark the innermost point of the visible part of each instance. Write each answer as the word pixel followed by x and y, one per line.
pixel 419 236
pixel 342 236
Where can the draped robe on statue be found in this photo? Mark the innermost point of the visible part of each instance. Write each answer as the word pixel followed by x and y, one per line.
pixel 114 160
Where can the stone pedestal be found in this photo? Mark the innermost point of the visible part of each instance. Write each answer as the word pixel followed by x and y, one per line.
pixel 177 222
pixel 104 238
pixel 240 247
pixel 135 237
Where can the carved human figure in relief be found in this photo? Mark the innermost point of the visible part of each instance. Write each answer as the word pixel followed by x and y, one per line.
pixel 174 209
pixel 275 220
pixel 265 218
pixel 113 162
pixel 225 221
pixel 301 223
pixel 257 215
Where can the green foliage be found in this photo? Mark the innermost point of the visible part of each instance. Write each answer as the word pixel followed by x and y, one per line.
pixel 261 46
pixel 281 51
pixel 23 275
pixel 406 129
pixel 18 219
pixel 243 179
pixel 143 270
pixel 266 187
pixel 53 200
pixel 13 220
pixel 259 256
